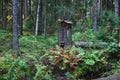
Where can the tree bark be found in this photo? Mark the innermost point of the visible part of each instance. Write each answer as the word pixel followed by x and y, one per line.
pixel 30 7
pixel 45 19
pixel 21 17
pixel 15 24
pixel 116 5
pixel 95 16
pixel 99 7
pixel 26 8
pixel 2 13
pixel 37 19
pixel 5 19
pixel 40 18
pixel 119 6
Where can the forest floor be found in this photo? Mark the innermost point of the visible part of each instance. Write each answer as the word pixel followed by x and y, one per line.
pixel 41 58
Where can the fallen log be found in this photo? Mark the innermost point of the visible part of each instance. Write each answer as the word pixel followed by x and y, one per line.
pixel 90 44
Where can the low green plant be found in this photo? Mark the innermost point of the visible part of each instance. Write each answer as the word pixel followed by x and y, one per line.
pixel 78 62
pixel 42 73
pixel 88 35
pixel 113 51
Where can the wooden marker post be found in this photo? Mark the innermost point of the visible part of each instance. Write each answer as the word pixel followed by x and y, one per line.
pixel 65 34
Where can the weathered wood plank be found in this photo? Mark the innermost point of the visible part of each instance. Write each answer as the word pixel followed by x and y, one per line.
pixel 90 44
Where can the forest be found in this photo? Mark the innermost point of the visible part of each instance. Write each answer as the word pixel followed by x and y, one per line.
pixel 59 40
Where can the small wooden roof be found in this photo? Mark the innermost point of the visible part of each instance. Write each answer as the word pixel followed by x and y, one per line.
pixel 65 21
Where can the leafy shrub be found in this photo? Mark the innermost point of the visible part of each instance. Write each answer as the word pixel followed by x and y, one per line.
pixel 86 36
pixel 113 51
pixel 29 24
pixel 106 25
pixel 78 62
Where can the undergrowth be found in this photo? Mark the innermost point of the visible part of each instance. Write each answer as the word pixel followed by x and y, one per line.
pixel 41 58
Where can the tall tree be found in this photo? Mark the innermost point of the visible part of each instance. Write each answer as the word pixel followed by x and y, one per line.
pixel 21 17
pixel 116 5
pixel 119 6
pixel 100 6
pixel 1 13
pixel 37 18
pixel 25 8
pixel 45 18
pixel 30 6
pixel 15 24
pixel 40 17
pixel 95 15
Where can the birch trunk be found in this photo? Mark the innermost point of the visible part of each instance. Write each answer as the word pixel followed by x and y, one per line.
pixel 37 19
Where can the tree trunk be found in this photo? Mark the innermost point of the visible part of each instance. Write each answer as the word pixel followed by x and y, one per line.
pixel 26 8
pixel 37 18
pixel 119 6
pixel 21 17
pixel 5 14
pixel 99 7
pixel 2 14
pixel 30 7
pixel 15 25
pixel 5 19
pixel 45 18
pixel 116 5
pixel 40 18
pixel 95 15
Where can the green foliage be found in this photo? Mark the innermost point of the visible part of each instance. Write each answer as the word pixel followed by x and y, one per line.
pixel 106 26
pixel 42 73
pixel 84 36
pixel 115 68
pixel 108 17
pixel 113 50
pixel 29 24
pixel 80 61
pixel 68 74
pixel 93 62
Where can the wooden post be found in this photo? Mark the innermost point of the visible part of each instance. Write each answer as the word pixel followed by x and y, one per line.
pixel 65 34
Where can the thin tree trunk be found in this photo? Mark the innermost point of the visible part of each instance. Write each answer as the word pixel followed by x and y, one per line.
pixel 95 16
pixel 5 15
pixel 40 18
pixel 15 25
pixel 119 7
pixel 116 5
pixel 21 17
pixel 99 7
pixel 5 19
pixel 37 18
pixel 29 7
pixel 26 8
pixel 2 14
pixel 55 15
pixel 45 19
